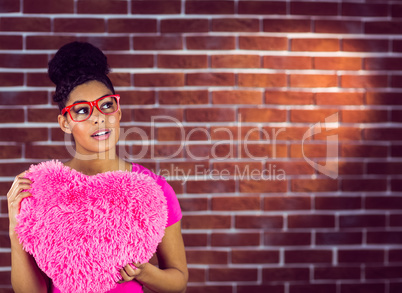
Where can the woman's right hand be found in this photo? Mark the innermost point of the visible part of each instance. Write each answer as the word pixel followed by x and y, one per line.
pixel 15 195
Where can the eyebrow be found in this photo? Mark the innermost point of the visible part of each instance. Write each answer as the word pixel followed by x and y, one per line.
pixel 83 101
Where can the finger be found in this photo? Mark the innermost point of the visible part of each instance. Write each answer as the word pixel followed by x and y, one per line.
pixel 125 276
pixel 19 189
pixel 16 202
pixel 130 270
pixel 17 184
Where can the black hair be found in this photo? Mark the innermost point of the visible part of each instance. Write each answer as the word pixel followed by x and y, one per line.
pixel 74 64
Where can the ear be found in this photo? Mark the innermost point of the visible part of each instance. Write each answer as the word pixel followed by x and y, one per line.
pixel 64 124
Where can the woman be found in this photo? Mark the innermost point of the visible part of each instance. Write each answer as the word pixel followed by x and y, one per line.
pixel 90 112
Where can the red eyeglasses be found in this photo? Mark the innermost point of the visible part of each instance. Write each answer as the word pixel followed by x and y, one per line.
pixel 83 110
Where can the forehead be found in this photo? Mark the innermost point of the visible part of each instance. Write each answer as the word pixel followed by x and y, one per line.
pixel 88 91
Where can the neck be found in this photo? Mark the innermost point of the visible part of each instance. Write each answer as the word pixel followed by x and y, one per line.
pixel 100 163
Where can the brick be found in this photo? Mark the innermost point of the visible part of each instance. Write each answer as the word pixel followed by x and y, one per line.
pixel 120 79
pixel 363 185
pixel 396 10
pixel 364 81
pixel 209 288
pixel 311 116
pixel 22 60
pixel 25 24
pixel 364 116
pixel 263 43
pixel 158 43
pixel 337 273
pixel 308 256
pixel 284 133
pixel 48 6
pixel 47 152
pixel 272 184
pixel 382 63
pixel 210 79
pixel 261 7
pixel 349 168
pixel 218 151
pixel 363 287
pixel 206 222
pixel 383 27
pixel 81 25
pixel 157 114
pixel 338 63
pixel 215 186
pixel 210 43
pixel 396 116
pixel 44 42
pixel 5 259
pixel 262 115
pixel 158 79
pixel 235 25
pixel 183 97
pixel 207 257
pixel 101 7
pixel 397 46
pixel 338 203
pixel 361 256
pixel 138 97
pixel 130 61
pixel 234 133
pixel 313 80
pixel 382 134
pixel 235 239
pixel 395 255
pixel 238 169
pixel 289 98
pixel 264 151
pixel 384 237
pixel 396 81
pixel 10 42
pixel 312 288
pixel 210 114
pixel 195 239
pixel 338 27
pixel 381 272
pixel 314 185
pixel 384 168
pixel 229 274
pixel 288 203
pixel 182 61
pixel 369 9
pixel 123 25
pixel 196 275
pixel 108 43
pixel 262 80
pixel 316 8
pixel 292 168
pixel 285 274
pixel 260 288
pixel 383 202
pixel 287 62
pixel 43 115
pixel 254 256
pixel 339 98
pixel 8 6
pixel 258 222
pixel 11 115
pixel 155 7
pixel 182 133
pixel 11 79
pixel 308 150
pixel 10 152
pixel 237 97
pixel 243 203
pixel 338 238
pixel 315 45
pixel 11 170
pixel 365 45
pixel 287 25
pixel 193 204
pixel 5 276
pixel 235 61
pixel 362 221
pixel 209 7
pixel 311 221
pixel 184 25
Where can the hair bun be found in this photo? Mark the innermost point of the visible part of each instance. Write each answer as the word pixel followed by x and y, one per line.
pixel 76 58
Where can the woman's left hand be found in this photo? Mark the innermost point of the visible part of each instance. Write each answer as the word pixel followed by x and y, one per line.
pixel 131 272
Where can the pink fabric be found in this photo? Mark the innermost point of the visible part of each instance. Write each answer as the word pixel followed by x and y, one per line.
pixel 83 229
pixel 174 215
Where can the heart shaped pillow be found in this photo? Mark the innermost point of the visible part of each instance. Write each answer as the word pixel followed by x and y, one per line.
pixel 82 229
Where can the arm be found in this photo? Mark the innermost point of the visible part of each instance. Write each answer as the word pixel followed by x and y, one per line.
pixel 25 274
pixel 172 274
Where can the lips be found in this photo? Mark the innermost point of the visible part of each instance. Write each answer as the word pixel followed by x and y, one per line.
pixel 100 133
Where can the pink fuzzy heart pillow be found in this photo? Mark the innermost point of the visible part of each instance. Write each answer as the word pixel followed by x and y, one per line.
pixel 82 229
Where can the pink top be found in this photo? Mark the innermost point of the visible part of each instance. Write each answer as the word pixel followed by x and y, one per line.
pixel 174 215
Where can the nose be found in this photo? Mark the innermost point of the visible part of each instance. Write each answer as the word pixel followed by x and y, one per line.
pixel 97 116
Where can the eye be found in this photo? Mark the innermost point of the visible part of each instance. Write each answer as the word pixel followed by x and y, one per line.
pixel 107 105
pixel 83 110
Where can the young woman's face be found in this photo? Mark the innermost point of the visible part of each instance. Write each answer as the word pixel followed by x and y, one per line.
pixel 100 132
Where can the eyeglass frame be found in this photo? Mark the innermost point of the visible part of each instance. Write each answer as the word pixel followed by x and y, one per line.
pixel 92 104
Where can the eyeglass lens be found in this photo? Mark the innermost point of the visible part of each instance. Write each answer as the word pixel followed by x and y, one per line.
pixel 81 111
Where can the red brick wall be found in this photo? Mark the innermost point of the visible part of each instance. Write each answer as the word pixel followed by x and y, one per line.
pixel 241 83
